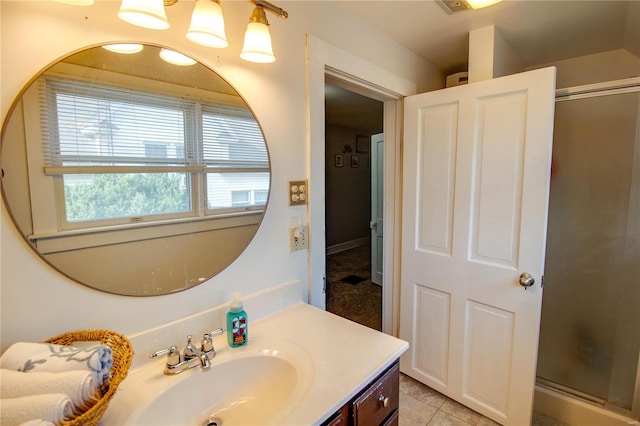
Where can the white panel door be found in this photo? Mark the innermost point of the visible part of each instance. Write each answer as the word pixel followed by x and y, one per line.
pixel 377 207
pixel 475 195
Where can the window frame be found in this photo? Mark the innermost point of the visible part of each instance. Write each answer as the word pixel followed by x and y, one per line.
pixel 44 228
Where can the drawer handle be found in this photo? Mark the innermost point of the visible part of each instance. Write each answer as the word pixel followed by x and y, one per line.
pixel 384 401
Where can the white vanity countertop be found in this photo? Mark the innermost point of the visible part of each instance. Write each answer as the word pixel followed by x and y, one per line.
pixel 339 356
pixel 346 356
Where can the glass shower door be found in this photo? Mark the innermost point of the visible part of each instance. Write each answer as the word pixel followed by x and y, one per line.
pixel 589 337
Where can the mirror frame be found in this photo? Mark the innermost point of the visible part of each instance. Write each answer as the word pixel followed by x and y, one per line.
pixel 230 259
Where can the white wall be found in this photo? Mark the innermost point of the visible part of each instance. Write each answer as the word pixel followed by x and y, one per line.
pixel 35 301
pixel 605 66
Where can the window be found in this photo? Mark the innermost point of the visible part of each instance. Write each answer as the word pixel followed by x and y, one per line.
pixel 155 150
pixel 120 156
pixel 261 196
pixel 240 198
pixel 248 197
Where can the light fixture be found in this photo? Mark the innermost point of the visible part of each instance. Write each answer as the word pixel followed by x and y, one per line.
pixel 77 2
pixel 207 24
pixel 176 58
pixel 257 40
pixel 452 6
pixel 478 4
pixel 144 13
pixel 126 48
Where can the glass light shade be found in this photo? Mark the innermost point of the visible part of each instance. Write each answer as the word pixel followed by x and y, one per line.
pixel 77 2
pixel 257 44
pixel 126 48
pixel 144 13
pixel 207 24
pixel 478 4
pixel 176 58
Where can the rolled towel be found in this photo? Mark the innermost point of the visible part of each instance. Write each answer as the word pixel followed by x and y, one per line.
pixel 79 385
pixel 37 422
pixel 47 357
pixel 50 407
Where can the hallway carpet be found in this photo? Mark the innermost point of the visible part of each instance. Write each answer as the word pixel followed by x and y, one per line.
pixel 350 292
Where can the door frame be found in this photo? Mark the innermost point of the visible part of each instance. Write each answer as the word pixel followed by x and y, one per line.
pixel 329 63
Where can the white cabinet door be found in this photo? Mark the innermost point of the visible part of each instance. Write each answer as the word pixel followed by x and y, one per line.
pixel 476 177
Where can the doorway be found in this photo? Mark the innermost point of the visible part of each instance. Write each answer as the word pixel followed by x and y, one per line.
pixel 350 120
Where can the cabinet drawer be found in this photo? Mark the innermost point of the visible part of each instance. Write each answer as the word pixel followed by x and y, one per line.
pixel 379 401
pixel 393 420
pixel 341 418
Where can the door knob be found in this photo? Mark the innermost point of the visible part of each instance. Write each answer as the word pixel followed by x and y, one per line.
pixel 526 280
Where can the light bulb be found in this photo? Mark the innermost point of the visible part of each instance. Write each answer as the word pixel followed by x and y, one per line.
pixel 478 4
pixel 76 2
pixel 176 58
pixel 126 48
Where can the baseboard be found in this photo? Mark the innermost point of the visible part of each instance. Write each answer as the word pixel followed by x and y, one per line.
pixel 348 245
pixel 573 411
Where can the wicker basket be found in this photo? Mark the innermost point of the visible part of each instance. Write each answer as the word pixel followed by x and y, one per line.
pixel 122 352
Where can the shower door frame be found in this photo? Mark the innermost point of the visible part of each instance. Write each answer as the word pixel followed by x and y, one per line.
pixel 606 88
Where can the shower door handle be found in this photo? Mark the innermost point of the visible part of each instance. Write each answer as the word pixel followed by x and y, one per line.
pixel 526 280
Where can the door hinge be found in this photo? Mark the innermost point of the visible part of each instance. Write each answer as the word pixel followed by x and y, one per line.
pixel 542 282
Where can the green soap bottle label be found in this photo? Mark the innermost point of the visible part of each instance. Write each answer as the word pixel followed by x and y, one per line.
pixel 239 329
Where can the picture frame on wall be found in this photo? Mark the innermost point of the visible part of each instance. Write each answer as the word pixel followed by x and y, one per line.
pixel 362 144
pixel 355 161
pixel 339 160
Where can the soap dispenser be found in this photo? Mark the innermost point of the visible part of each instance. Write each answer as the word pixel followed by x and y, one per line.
pixel 237 323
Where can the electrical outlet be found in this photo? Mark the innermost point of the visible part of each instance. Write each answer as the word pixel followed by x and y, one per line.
pixel 298 238
pixel 298 192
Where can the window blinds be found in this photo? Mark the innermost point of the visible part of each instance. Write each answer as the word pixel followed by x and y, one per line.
pixel 108 127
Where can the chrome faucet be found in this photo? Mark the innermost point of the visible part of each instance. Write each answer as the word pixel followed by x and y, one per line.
pixel 191 357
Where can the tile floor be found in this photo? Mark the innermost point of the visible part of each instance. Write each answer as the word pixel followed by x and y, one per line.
pixel 422 406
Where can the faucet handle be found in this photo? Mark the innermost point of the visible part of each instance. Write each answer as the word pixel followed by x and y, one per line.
pixel 190 351
pixel 215 332
pixel 160 353
pixel 173 356
pixel 207 344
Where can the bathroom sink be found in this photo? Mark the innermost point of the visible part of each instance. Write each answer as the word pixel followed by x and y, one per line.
pixel 257 384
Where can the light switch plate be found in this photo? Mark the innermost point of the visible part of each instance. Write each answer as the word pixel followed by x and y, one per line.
pixel 298 192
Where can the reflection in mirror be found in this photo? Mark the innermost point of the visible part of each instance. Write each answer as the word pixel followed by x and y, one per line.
pixel 132 175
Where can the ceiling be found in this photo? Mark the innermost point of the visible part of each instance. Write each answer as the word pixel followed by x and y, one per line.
pixel 539 31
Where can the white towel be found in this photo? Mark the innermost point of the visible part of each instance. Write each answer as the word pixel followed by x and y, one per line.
pixel 79 385
pixel 46 357
pixel 37 422
pixel 51 407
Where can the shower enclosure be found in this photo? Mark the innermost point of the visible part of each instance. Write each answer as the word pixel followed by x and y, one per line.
pixel 590 328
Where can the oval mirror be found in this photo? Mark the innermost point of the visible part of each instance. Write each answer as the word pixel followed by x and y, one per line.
pixel 133 175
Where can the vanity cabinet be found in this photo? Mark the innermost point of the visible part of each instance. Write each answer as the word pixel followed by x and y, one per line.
pixel 376 404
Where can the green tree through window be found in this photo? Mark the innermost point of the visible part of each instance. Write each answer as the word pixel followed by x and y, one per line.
pixel 90 197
